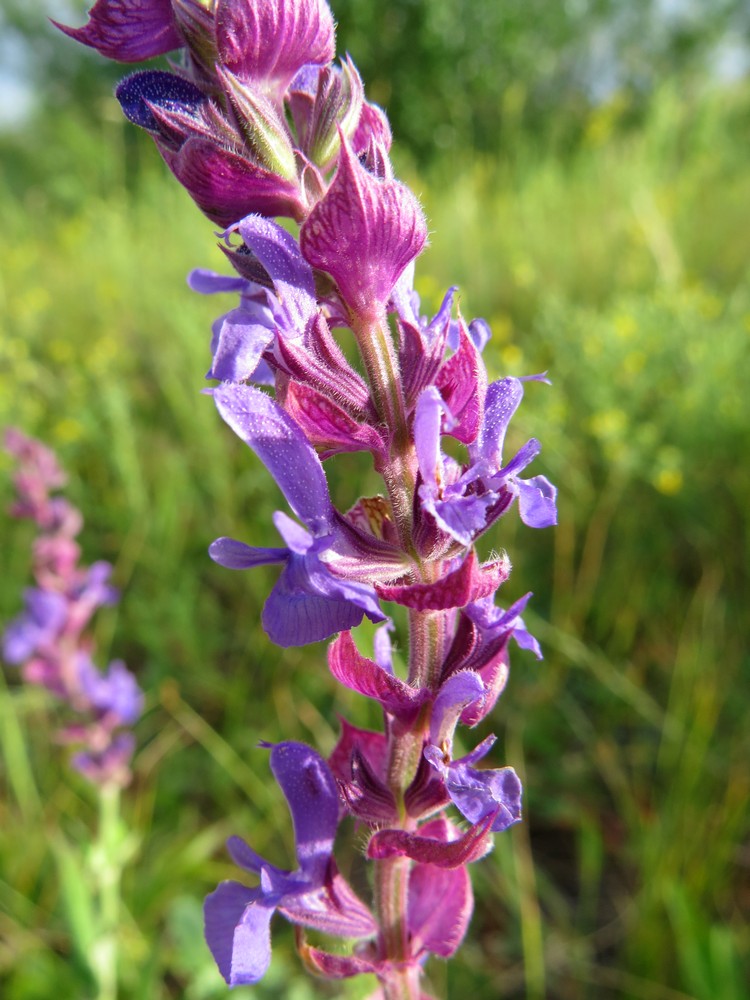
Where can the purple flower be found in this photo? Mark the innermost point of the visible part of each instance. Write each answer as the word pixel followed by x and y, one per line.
pixel 37 628
pixel 310 601
pixel 480 645
pixel 115 694
pixel 479 794
pixel 237 918
pixel 464 503
pixel 109 764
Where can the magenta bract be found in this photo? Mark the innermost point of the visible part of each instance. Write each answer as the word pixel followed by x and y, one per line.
pixel 364 232
pixel 268 41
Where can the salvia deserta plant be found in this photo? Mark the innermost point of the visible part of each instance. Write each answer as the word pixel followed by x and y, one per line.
pixel 49 641
pixel 257 122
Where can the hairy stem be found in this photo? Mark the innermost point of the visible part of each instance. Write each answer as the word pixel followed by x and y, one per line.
pixel 378 352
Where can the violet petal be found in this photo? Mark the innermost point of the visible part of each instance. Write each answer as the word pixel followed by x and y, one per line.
pixel 128 30
pixel 280 444
pixel 237 929
pixel 310 790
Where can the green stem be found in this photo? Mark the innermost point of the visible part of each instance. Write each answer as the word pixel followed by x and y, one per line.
pixel 107 870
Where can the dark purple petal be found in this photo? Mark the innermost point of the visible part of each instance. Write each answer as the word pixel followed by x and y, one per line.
pixel 365 795
pixel 139 93
pixel 320 363
pixel 327 426
pixel 440 907
pixel 371 745
pixel 237 929
pixel 494 626
pixel 364 232
pixel 270 40
pixel 310 789
pixel 359 674
pixel 280 444
pixel 128 30
pixel 427 793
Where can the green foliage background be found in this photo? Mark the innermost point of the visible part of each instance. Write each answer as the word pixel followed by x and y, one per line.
pixel 605 242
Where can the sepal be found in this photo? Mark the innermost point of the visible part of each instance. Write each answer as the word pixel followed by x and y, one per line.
pixel 467 583
pixel 262 125
pixel 429 849
pixel 366 677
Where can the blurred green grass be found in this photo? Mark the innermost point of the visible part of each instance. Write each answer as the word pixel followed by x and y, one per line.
pixel 623 270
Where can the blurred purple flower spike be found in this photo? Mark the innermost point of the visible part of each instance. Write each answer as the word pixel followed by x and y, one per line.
pixel 47 639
